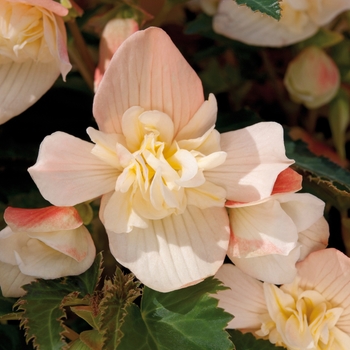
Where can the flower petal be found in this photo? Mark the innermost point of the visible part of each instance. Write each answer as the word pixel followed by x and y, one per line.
pixel 176 251
pixel 245 299
pixel 11 280
pixel 50 5
pixel 253 28
pixel 66 172
pixel 9 242
pixel 72 253
pixel 327 11
pixel 328 272
pixel 261 229
pixel 287 181
pixel 147 71
pixel 255 157
pixel 274 268
pixel 42 220
pixel 22 84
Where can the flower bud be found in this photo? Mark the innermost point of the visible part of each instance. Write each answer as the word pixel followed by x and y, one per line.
pixel 312 78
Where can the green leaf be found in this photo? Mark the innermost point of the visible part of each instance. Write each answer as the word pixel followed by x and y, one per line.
pixel 249 342
pixel 324 38
pixel 6 304
pixel 270 7
pixel 322 177
pixel 43 305
pixel 184 319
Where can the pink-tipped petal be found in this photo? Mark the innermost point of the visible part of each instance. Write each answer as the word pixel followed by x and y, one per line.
pixel 328 272
pixel 42 220
pixel 12 279
pixel 260 230
pixel 287 181
pixel 245 298
pixel 66 172
pixel 276 269
pixel 154 76
pixel 64 253
pixel 255 157
pixel 176 251
pixel 22 84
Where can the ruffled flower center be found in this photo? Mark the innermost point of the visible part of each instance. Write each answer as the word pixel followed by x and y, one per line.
pixel 158 174
pixel 22 34
pixel 300 320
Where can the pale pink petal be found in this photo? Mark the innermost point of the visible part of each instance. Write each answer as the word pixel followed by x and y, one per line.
pixel 287 181
pixel 261 229
pixel 177 251
pixel 65 258
pixel 155 76
pixel 303 208
pixel 113 35
pixel 50 5
pixel 328 272
pixel 245 298
pixel 66 172
pixel 42 220
pixel 314 238
pixel 12 279
pixel 255 157
pixel 328 10
pixel 202 121
pixel 22 84
pixel 276 269
pixel 254 28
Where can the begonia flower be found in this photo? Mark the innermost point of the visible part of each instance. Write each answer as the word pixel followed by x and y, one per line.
pixel 312 312
pixel 33 52
pixel 44 243
pixel 163 171
pixel 300 19
pixel 312 78
pixel 113 35
pixel 269 236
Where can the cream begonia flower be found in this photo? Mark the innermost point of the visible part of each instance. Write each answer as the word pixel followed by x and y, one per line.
pixel 269 236
pixel 300 19
pixel 163 171
pixel 113 35
pixel 33 52
pixel 312 312
pixel 44 243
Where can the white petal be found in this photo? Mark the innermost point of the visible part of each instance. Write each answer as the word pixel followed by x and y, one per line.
pixel 245 298
pixel 177 251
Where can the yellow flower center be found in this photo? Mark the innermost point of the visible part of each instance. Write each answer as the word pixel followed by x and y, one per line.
pixel 300 320
pixel 159 174
pixel 22 34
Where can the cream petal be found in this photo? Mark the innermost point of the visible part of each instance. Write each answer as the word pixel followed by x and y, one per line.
pixel 297 204
pixel 46 4
pixel 22 84
pixel 9 242
pixel 39 260
pixel 253 28
pixel 245 298
pixel 42 220
pixel 260 230
pixel 147 71
pixel 12 279
pixel 276 269
pixel 206 196
pixel 76 243
pixel 255 157
pixel 328 10
pixel 66 172
pixel 177 251
pixel 328 272
pixel 314 238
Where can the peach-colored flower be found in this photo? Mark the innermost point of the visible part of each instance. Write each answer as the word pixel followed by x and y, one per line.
pixel 33 52
pixel 300 19
pixel 269 236
pixel 113 35
pixel 312 78
pixel 163 171
pixel 312 312
pixel 44 243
